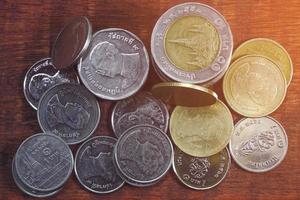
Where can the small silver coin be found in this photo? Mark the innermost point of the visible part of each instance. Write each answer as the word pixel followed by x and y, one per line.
pixel 116 66
pixel 41 76
pixel 44 162
pixel 140 109
pixel 94 166
pixel 258 144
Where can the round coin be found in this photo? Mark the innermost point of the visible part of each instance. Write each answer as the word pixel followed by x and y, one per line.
pixel 258 144
pixel 69 111
pixel 254 86
pixel 116 66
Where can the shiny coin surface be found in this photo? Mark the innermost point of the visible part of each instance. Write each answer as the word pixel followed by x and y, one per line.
pixel 258 144
pixel 44 162
pixel 72 42
pixel 254 86
pixel 201 173
pixel 191 43
pixel 270 49
pixel 140 109
pixel 202 131
pixel 41 76
pixel 94 166
pixel 116 66
pixel 69 111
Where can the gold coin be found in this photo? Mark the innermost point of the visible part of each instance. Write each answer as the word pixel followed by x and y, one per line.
pixel 184 94
pixel 202 131
pixel 192 43
pixel 254 86
pixel 268 48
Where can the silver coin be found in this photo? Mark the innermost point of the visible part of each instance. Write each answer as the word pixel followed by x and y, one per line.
pixel 140 109
pixel 72 42
pixel 163 61
pixel 41 76
pixel 94 166
pixel 69 111
pixel 143 154
pixel 116 66
pixel 44 162
pixel 258 144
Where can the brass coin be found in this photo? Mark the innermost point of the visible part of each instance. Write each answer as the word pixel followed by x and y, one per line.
pixel 254 86
pixel 202 131
pixel 184 94
pixel 270 49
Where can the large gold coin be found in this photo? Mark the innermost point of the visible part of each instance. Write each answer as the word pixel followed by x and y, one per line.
pixel 270 49
pixel 202 131
pixel 254 86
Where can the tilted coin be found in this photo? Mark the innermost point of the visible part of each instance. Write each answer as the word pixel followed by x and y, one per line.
pixel 116 66
pixel 140 109
pixel 258 144
pixel 201 131
pixel 69 111
pixel 41 76
pixel 201 173
pixel 254 86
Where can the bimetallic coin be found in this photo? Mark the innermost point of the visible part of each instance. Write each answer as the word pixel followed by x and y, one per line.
pixel 258 144
pixel 201 131
pixel 254 86
pixel 41 76
pixel 140 109
pixel 44 162
pixel 69 111
pixel 201 173
pixel 117 65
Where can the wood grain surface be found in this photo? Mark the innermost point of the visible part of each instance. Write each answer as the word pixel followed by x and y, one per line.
pixel 28 30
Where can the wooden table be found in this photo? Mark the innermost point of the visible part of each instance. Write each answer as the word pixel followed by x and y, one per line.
pixel 28 29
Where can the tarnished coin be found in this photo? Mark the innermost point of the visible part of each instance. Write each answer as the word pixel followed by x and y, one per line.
pixel 94 166
pixel 69 111
pixel 143 154
pixel 258 144
pixel 191 43
pixel 140 109
pixel 41 76
pixel 72 42
pixel 202 131
pixel 44 162
pixel 254 86
pixel 201 173
pixel 270 49
pixel 116 66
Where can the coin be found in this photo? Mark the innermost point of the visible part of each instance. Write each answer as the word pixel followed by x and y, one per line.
pixel 41 76
pixel 271 49
pixel 94 166
pixel 258 144
pixel 72 42
pixel 116 66
pixel 140 109
pixel 69 111
pixel 184 94
pixel 44 162
pixel 201 131
pixel 254 86
pixel 201 173
pixel 191 43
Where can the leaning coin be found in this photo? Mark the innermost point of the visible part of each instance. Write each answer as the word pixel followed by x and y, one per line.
pixel 41 76
pixel 94 166
pixel 140 109
pixel 258 144
pixel 69 111
pixel 44 162
pixel 116 66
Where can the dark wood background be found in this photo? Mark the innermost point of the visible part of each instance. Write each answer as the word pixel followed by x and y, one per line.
pixel 28 29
